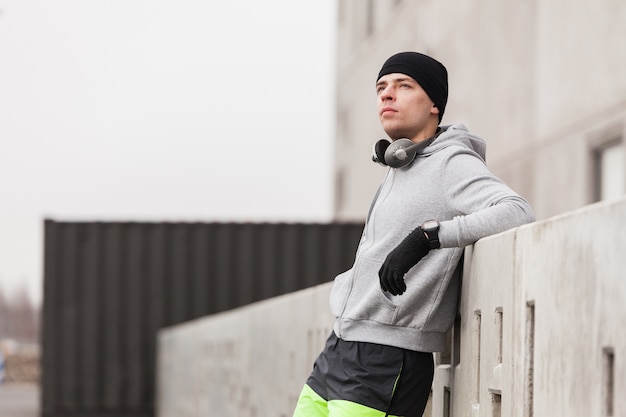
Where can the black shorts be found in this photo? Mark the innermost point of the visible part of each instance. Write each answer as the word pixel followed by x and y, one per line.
pixel 392 380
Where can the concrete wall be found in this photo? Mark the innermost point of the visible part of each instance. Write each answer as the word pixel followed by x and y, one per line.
pixel 249 362
pixel 541 324
pixel 541 80
pixel 540 334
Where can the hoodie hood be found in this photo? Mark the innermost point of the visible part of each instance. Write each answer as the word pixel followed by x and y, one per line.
pixel 456 135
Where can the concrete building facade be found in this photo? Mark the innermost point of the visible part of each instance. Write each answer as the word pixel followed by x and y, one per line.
pixel 542 81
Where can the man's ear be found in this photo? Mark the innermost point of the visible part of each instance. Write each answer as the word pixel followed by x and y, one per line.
pixel 434 109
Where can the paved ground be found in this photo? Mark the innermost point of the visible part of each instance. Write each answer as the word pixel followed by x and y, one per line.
pixel 19 399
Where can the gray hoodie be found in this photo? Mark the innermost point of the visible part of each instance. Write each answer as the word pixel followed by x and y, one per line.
pixel 449 182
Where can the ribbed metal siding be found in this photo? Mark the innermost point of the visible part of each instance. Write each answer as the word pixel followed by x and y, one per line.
pixel 108 288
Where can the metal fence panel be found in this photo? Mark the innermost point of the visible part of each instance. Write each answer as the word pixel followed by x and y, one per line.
pixel 109 287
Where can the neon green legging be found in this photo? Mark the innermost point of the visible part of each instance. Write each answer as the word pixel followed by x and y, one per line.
pixel 312 405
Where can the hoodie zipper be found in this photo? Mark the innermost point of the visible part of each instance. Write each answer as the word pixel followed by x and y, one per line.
pixel 388 179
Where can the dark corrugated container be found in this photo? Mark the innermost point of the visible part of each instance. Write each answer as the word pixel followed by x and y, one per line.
pixel 109 287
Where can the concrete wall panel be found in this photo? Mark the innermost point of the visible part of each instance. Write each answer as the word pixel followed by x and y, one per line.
pixel 251 361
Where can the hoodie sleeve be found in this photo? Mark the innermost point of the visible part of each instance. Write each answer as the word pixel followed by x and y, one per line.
pixel 485 205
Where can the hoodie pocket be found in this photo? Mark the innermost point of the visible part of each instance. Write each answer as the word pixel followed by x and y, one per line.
pixel 366 300
pixel 339 292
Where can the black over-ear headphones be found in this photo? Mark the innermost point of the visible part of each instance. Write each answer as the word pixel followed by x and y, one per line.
pixel 398 153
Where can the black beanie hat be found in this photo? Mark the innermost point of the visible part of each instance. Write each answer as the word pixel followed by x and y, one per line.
pixel 429 73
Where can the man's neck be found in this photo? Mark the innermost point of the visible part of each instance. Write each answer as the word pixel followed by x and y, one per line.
pixel 425 135
pixel 430 130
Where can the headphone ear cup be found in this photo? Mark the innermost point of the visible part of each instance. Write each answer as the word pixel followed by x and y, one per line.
pixel 378 154
pixel 401 152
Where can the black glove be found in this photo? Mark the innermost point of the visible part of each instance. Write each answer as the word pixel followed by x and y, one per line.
pixel 408 253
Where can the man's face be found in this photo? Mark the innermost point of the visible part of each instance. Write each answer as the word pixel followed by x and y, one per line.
pixel 404 108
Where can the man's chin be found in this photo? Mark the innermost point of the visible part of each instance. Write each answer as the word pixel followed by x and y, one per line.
pixel 395 136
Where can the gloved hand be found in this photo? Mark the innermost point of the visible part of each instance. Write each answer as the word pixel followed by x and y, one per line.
pixel 408 253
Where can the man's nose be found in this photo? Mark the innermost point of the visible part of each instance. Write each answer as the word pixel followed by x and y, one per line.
pixel 387 94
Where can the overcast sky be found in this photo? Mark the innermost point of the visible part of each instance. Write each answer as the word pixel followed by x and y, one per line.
pixel 163 111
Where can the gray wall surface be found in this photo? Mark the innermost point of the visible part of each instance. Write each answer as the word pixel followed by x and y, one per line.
pixel 540 334
pixel 109 287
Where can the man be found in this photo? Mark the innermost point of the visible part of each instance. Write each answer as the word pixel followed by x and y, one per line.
pixel 394 307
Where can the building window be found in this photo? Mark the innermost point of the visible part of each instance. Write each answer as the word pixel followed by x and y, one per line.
pixel 610 170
